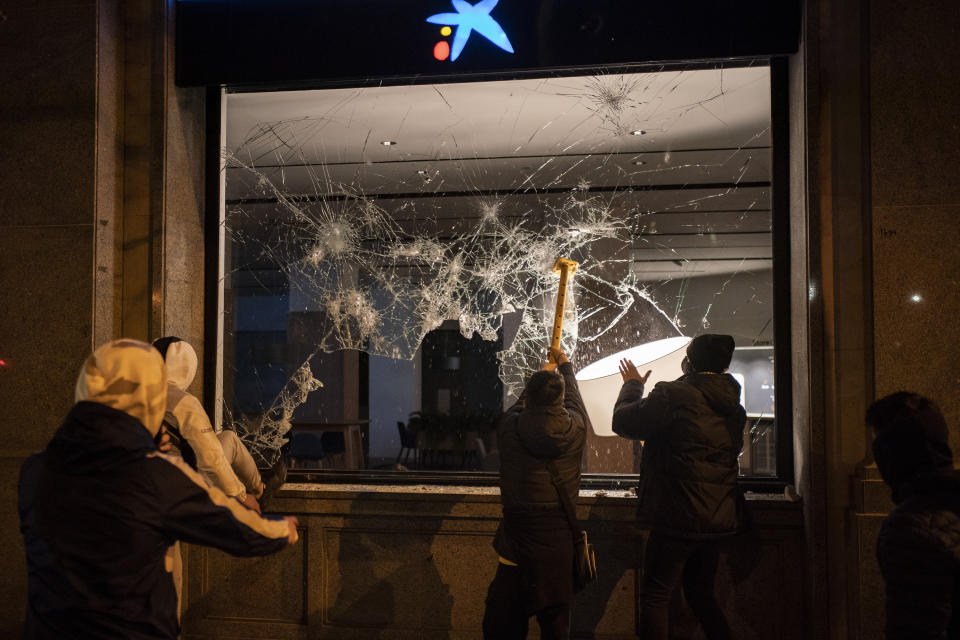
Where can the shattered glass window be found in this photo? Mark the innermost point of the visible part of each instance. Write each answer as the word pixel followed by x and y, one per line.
pixel 389 279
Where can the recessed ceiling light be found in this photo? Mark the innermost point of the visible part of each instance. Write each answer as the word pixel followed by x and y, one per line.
pixel 916 297
pixel 388 143
pixel 638 132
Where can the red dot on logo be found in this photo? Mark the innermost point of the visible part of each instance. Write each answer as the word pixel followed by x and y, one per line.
pixel 441 50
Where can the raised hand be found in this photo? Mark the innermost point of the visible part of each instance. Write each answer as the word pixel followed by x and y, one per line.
pixel 628 371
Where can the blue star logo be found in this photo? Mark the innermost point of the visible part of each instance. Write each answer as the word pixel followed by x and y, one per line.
pixel 470 18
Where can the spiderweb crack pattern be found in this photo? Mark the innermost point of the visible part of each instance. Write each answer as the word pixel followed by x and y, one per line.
pixel 385 272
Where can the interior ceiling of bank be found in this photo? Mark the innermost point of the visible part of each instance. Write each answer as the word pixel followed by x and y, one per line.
pixel 395 209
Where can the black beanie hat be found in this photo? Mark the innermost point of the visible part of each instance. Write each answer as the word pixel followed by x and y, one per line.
pixel 711 352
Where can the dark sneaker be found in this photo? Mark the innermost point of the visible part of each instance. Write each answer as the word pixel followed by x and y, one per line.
pixel 275 479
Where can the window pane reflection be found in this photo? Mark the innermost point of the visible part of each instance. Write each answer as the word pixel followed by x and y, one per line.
pixel 395 244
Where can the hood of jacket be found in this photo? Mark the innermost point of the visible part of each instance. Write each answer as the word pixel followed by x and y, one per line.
pixel 129 376
pixel 912 454
pixel 181 359
pixel 721 390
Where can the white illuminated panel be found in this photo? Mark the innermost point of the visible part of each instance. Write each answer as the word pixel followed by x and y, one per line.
pixel 600 382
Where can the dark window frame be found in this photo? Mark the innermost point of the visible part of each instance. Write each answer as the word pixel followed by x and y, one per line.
pixel 780 202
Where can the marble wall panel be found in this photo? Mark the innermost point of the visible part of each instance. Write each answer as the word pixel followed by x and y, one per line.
pixel 916 304
pixel 410 571
pixel 915 131
pixel 867 577
pixel 258 597
pixel 13 564
pixel 253 588
pixel 47 112
pixel 45 328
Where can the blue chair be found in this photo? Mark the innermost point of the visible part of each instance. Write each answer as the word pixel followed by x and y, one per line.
pixel 304 447
pixel 408 443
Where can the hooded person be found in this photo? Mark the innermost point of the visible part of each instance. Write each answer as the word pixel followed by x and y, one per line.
pixel 541 435
pixel 692 430
pixel 101 508
pixel 220 457
pixel 918 548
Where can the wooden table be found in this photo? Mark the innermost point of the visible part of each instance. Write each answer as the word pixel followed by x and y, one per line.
pixel 352 437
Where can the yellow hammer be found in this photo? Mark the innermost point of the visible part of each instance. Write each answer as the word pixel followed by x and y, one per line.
pixel 565 268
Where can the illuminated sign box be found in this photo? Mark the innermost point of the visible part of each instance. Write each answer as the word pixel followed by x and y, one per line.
pixel 278 42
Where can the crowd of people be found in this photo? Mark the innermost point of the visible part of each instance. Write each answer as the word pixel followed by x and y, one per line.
pixel 136 467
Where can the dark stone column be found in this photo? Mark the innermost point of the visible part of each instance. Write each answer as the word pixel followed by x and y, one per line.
pixel 49 112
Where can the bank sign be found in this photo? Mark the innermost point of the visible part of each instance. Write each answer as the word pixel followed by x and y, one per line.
pixel 317 42
pixel 467 19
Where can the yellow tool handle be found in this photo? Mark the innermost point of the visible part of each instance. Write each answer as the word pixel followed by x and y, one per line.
pixel 561 301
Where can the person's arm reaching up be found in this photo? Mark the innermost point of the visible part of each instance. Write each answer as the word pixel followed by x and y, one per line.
pixel 572 401
pixel 634 416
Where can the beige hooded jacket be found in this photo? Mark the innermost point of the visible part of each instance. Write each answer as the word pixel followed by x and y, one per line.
pixel 186 413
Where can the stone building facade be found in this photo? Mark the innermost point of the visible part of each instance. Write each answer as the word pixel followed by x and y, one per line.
pixel 101 236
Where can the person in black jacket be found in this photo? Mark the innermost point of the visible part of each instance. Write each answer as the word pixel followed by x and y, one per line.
pixel 101 507
pixel 534 542
pixel 692 430
pixel 919 544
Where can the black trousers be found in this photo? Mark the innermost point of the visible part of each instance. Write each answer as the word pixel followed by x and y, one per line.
pixel 669 561
pixel 506 616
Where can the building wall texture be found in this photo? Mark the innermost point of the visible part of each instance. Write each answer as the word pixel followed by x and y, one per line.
pixel 48 113
pixel 411 564
pixel 913 60
pixel 100 215
pixel 101 236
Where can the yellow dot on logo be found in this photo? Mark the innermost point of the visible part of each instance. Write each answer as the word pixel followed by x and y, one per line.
pixel 446 31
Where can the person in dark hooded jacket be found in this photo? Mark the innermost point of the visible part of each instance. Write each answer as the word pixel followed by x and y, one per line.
pixel 548 424
pixel 101 507
pixel 919 544
pixel 692 430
